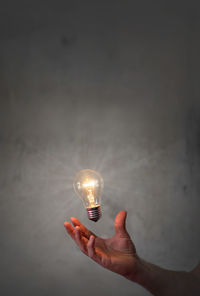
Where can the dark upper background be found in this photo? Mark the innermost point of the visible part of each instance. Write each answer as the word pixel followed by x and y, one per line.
pixel 107 85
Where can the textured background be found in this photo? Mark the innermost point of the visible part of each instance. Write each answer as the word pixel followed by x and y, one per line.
pixel 107 85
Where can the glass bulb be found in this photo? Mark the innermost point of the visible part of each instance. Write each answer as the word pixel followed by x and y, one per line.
pixel 88 185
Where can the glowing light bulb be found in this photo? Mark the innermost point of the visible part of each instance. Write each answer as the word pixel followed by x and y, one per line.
pixel 88 185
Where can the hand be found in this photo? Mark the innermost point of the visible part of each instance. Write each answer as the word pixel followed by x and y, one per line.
pixel 117 253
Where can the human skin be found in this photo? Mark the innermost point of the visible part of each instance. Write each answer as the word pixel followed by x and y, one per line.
pixel 119 255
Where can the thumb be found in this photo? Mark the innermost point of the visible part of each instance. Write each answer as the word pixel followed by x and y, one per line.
pixel 120 224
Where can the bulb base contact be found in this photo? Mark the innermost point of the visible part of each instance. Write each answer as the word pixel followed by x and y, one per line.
pixel 94 214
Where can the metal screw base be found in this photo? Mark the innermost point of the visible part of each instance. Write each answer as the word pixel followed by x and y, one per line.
pixel 94 214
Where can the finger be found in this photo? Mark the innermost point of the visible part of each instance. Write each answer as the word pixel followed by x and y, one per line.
pixel 70 229
pixel 81 241
pixel 120 224
pixel 90 246
pixel 91 249
pixel 86 232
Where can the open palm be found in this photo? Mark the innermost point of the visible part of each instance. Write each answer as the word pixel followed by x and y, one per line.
pixel 117 253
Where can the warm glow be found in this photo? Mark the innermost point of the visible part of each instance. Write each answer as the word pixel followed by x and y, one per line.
pixel 90 184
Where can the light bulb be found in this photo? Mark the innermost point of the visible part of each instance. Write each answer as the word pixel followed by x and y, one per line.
pixel 88 185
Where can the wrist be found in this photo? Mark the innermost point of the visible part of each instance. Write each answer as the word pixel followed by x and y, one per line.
pixel 151 277
pixel 137 271
pixel 144 273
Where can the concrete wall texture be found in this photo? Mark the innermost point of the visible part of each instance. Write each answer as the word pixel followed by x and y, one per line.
pixel 107 85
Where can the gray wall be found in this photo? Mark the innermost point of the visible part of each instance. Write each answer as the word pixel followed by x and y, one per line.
pixel 106 85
